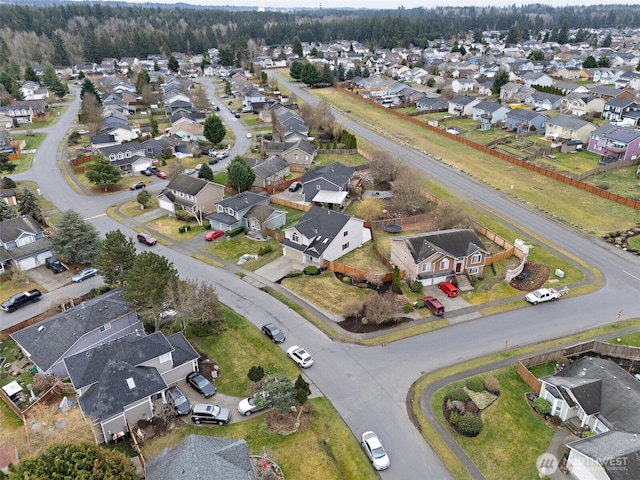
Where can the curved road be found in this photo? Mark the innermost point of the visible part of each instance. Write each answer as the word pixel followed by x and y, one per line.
pixel 368 385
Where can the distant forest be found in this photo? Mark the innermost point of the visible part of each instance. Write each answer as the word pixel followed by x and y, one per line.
pixel 76 32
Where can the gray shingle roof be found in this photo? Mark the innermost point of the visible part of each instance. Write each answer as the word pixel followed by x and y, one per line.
pixel 243 201
pixel 321 225
pixel 616 133
pixel 568 121
pixel 524 115
pixel 456 242
pixel 335 173
pixel 13 228
pixel 201 457
pixel 271 166
pixel 62 331
pixel 187 184
pixel 617 452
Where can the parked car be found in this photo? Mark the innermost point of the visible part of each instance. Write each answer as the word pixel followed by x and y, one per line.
pixel 273 332
pixel 201 385
pixel 247 406
pixel 222 154
pixel 189 171
pixel 433 304
pixel 449 288
pixel 161 175
pixel 53 264
pixel 248 134
pixel 375 451
pixel 20 299
pixel 300 356
pixel 198 167
pixel 147 172
pixel 82 275
pixel 213 234
pixel 83 132
pixel 213 161
pixel 138 186
pixel 146 239
pixel 206 413
pixel 295 186
pixel 178 400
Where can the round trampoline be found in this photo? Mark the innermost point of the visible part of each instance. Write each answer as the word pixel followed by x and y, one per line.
pixel 393 228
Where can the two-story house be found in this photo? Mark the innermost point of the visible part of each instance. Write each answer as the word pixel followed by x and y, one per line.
pixel 436 257
pixel 615 108
pixel 568 127
pixel 613 143
pixel 491 112
pixel 300 153
pixel 270 171
pixel 193 194
pixel 521 120
pixel 247 209
pixel 579 104
pixel 251 97
pixel 323 234
pixel 22 243
pixel 430 104
pixel 462 105
pixel 329 184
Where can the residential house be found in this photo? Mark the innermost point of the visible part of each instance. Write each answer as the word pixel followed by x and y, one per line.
pixel 117 381
pixel 328 184
pixel 615 108
pixel 610 92
pixel 133 164
pixel 464 85
pixel 195 195
pixel 289 126
pixel 613 142
pixel 20 113
pixel 33 91
pixel 541 101
pixel 462 105
pixel 270 171
pixel 508 91
pixel 77 329
pixel 612 455
pixel 491 112
pixel 431 104
pixel 252 96
pixel 568 127
pixel 22 243
pixel 152 147
pixel 579 105
pixel 122 151
pixel 323 234
pixel 246 209
pixel 530 79
pixel 187 129
pixel 225 459
pixel 299 154
pixel 521 120
pixel 102 140
pixel 8 196
pixel 569 73
pixel 439 256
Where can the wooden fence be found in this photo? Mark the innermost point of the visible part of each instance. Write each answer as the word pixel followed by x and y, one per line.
pixel 290 204
pixel 338 151
pixel 565 179
pixel 356 274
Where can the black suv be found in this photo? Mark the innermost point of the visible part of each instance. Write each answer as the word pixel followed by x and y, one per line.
pixel 53 264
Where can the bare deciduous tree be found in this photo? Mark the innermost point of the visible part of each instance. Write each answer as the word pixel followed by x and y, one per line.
pixel 383 167
pixel 352 307
pixel 196 304
pixel 407 191
pixel 380 308
pixel 91 114
pixel 448 216
pixel 368 209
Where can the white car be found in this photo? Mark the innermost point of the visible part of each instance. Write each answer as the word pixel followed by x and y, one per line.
pixel 545 295
pixel 375 451
pixel 300 356
pixel 247 405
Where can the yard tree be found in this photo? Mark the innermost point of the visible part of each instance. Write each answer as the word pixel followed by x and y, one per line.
pixel 206 172
pixel 91 114
pixel 7 212
pixel 295 70
pixel 148 278
pixel 29 205
pixel 173 64
pixel 407 191
pixel 590 62
pixel 143 198
pixel 297 47
pixel 102 172
pixel 30 74
pixel 380 308
pixel 7 182
pixel 142 80
pixel 75 460
pixel 239 174
pixel 75 240
pixel 115 257
pixel 384 167
pixel 502 78
pixel 256 373
pixel 281 393
pixel 197 306
pixel 214 130
pixel 604 61
pixel 88 88
pixel 6 165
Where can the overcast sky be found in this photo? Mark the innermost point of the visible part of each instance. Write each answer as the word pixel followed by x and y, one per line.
pixel 381 4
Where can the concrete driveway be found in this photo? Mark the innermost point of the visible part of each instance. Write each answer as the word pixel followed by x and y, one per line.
pixel 48 280
pixel 279 268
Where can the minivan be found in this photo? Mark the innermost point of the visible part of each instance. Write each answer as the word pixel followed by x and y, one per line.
pixel 433 304
pixel 178 400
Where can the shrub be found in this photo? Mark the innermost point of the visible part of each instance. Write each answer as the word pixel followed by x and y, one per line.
pixel 475 384
pixel 542 406
pixel 352 307
pixel 294 273
pixel 256 373
pixel 470 425
pixel 235 232
pixel 311 270
pixel 264 250
pixel 346 280
pixel 408 308
pixel 563 362
pixel 454 418
pixel 418 304
pixel 415 286
pixel 396 284
pixel 97 291
pixel 491 384
pixel 42 382
pixel 458 394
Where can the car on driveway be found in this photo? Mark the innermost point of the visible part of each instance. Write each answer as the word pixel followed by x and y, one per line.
pixel 433 304
pixel 247 406
pixel 207 413
pixel 189 171
pixel 161 175
pixel 201 385
pixel 82 275
pixel 213 234
pixel 449 288
pixel 300 356
pixel 138 186
pixel 295 186
pixel 273 332
pixel 178 400
pixel 146 239
pixel 375 451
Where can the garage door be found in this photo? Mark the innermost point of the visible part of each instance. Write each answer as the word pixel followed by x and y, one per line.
pixel 27 263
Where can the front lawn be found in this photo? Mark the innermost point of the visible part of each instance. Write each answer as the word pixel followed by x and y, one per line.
pixel 169 226
pixel 45 205
pixel 347 160
pixel 325 291
pixel 133 208
pixel 512 437
pixel 33 141
pixel 364 258
pixel 232 249
pixel 9 286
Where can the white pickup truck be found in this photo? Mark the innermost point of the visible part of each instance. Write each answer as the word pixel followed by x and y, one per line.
pixel 545 294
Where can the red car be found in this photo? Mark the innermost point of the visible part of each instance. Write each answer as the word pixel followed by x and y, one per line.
pixel 213 234
pixel 161 175
pixel 433 304
pixel 450 289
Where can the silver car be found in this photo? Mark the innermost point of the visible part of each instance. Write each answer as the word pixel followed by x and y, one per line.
pixel 375 451
pixel 82 275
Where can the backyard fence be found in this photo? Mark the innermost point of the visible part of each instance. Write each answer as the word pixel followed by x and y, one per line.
pixel 290 204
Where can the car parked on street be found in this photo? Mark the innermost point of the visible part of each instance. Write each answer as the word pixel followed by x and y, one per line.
pixel 300 356
pixel 433 304
pixel 375 451
pixel 201 385
pixel 82 275
pixel 449 288
pixel 138 186
pixel 146 239
pixel 273 332
pixel 178 400
pixel 213 234
pixel 247 406
pixel 207 413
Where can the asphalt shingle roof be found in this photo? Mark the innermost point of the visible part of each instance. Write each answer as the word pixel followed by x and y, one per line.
pixel 456 242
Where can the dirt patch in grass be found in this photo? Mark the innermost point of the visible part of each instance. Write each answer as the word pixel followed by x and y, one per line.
pixel 284 423
pixel 354 325
pixel 533 276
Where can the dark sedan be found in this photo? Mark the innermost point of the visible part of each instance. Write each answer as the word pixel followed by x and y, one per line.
pixel 138 186
pixel 200 384
pixel 273 332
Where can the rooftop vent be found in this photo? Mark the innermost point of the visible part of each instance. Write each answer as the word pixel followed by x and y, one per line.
pixel 130 383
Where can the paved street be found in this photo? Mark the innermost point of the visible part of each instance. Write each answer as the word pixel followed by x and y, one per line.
pixel 368 385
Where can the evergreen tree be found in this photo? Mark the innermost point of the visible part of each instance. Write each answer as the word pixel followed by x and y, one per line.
pixel 295 70
pixel 606 43
pixel 297 47
pixel 142 80
pixel 214 130
pixel 143 198
pixel 206 172
pixel 590 62
pixel 30 74
pixel 173 64
pixel 604 61
pixel 102 172
pixel 7 212
pixel 365 72
pixel 29 205
pixel 75 240
pixel 501 79
pixel 6 165
pixel 309 74
pixel 327 77
pixel 146 281
pixel 88 87
pixel 240 175
pixel 563 35
pixel 115 257
pixel 59 56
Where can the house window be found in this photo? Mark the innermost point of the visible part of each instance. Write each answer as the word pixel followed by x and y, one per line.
pixel 219 208
pixel 473 270
pixel 22 241
pixel 444 264
pixel 425 267
pixel 346 233
pixel 295 238
pixel 475 258
pixel 296 156
pixel 345 246
pixel 165 357
pixel 317 187
pixel 105 327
